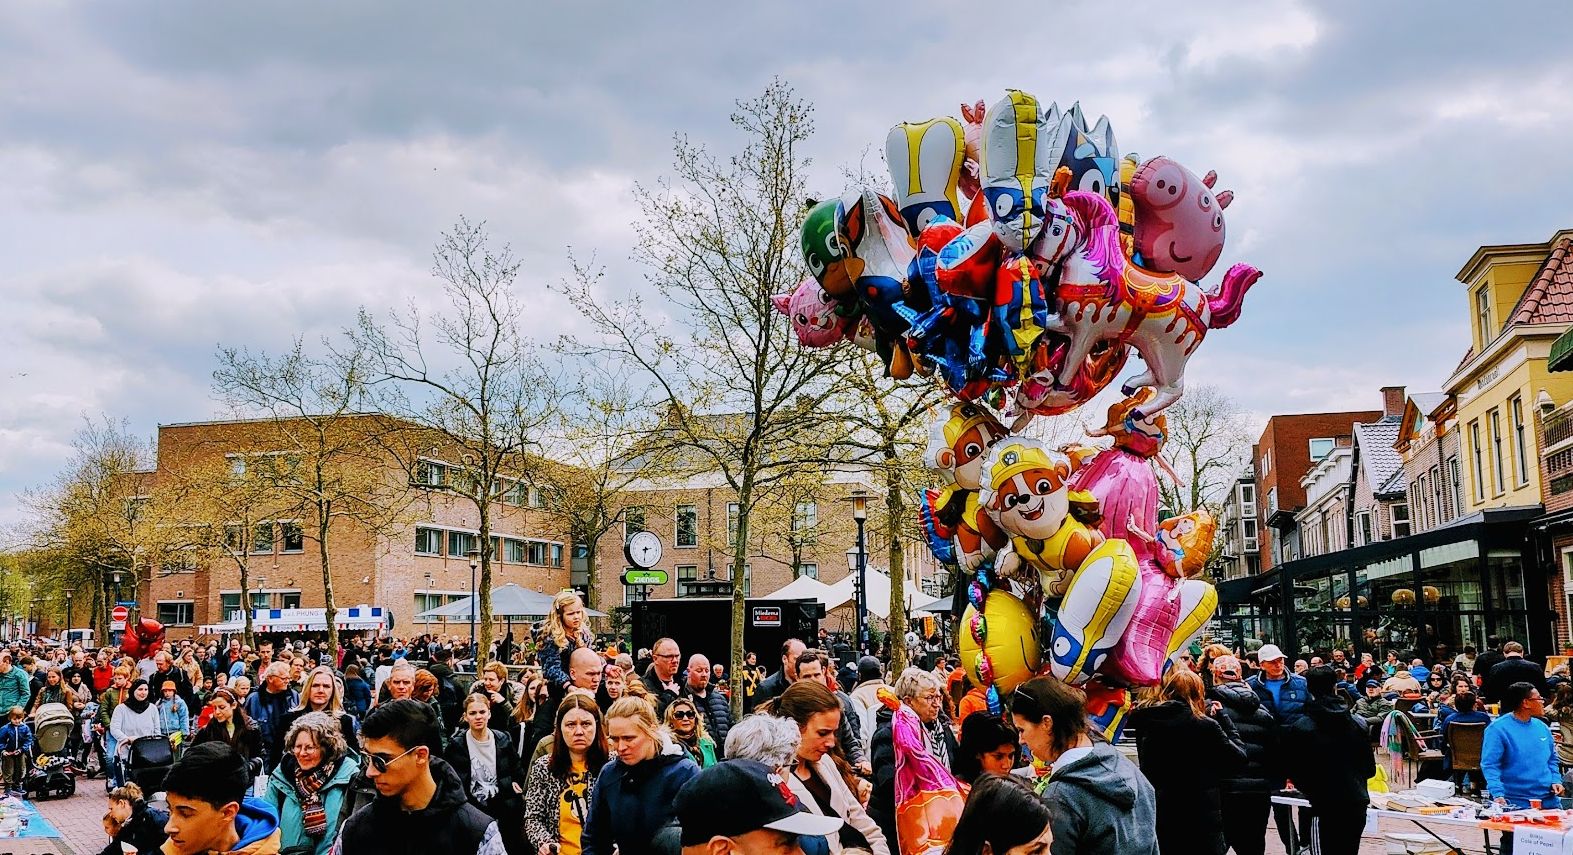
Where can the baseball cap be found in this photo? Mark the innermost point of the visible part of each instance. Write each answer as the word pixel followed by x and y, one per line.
pixel 1227 665
pixel 735 797
pixel 1268 653
pixel 868 669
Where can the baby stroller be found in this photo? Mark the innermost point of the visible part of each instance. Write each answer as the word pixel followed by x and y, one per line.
pixel 52 773
pixel 147 762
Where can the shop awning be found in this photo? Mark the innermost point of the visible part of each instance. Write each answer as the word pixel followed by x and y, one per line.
pixel 352 618
pixel 1561 358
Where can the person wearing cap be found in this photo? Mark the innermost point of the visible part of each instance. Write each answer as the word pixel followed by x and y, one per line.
pixel 1373 706
pixel 744 807
pixel 1284 694
pixel 173 714
pixel 1327 754
pixel 1247 792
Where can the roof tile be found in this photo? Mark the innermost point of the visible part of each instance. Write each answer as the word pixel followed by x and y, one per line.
pixel 1549 298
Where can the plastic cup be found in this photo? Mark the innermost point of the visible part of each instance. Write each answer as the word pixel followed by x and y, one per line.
pixel 1534 804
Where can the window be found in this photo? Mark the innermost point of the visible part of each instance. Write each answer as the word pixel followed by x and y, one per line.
pixel 1321 447
pixel 687 573
pixel 630 592
pixel 289 600
pixel 557 555
pixel 294 539
pixel 1567 579
pixel 496 549
pixel 733 510
pixel 1400 514
pixel 1476 466
pixel 1419 498
pixel 1267 463
pixel 1248 500
pixel 176 612
pixel 262 538
pixel 518 493
pixel 228 604
pixel 1250 534
pixel 429 473
pixel 233 537
pixel 687 525
pixel 261 600
pixel 1497 466
pixel 1437 513
pixel 515 553
pixel 1520 449
pixel 426 602
pixel 805 516
pixel 460 544
pixel 428 541
pixel 1457 487
pixel 1363 528
pixel 537 497
pixel 1483 313
pixel 809 570
pixel 633 522
pixel 237 465
pixel 535 552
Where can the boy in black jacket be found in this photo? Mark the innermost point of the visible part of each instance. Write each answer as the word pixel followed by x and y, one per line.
pixel 1328 756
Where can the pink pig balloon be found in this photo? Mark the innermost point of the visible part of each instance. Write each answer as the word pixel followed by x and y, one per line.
pixel 1178 222
pixel 813 314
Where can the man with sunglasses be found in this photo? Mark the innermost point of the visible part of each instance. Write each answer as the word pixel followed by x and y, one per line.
pixel 420 805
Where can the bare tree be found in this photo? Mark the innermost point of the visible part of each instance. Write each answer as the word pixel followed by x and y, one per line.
pixel 469 381
pixel 1208 444
pixel 742 398
pixel 329 467
pixel 225 499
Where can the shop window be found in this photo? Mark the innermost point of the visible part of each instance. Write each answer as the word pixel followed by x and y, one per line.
pixel 1453 569
pixel 1506 568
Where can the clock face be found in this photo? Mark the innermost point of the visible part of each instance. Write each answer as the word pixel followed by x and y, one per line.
pixel 644 549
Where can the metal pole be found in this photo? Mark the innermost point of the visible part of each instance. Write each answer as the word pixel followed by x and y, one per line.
pixel 473 652
pixel 862 599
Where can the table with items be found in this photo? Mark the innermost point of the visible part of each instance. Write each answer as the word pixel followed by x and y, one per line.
pixel 1535 831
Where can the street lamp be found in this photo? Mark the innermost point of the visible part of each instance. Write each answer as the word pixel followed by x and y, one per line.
pixel 428 601
pixel 475 561
pixel 857 562
pixel 69 614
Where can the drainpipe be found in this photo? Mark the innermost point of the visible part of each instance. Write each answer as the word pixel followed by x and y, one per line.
pixel 1349 493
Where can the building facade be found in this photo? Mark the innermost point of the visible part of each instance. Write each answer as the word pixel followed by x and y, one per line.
pixel 1239 531
pixel 418 562
pixel 1428 445
pixel 1288 447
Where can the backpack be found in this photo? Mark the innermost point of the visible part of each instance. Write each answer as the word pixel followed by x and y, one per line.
pixel 448 699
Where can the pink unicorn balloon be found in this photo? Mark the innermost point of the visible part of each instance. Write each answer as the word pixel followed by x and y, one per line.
pixel 1103 296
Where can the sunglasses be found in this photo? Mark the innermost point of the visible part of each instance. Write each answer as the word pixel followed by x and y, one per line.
pixel 682 714
pixel 381 763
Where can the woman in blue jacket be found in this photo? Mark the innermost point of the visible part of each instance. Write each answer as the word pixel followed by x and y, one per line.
pixel 310 786
pixel 633 805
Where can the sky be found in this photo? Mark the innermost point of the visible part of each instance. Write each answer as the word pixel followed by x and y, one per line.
pixel 182 175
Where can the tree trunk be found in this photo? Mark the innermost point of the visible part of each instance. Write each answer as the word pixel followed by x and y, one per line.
pixel 895 520
pixel 745 496
pixel 330 611
pixel 483 640
pixel 245 600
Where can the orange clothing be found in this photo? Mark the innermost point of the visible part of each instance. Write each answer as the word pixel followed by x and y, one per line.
pixel 976 700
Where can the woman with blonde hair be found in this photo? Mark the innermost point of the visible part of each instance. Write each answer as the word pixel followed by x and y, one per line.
pixel 687 727
pixel 634 797
pixel 1184 744
pixel 322 692
pixel 816 780
pixel 566 631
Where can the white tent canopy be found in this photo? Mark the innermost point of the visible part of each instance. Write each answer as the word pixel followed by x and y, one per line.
pixel 509 601
pixel 803 588
pixel 844 593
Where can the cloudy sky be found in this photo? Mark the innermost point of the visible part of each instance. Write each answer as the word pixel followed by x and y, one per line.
pixel 183 174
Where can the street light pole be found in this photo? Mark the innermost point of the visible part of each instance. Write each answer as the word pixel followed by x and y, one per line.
pixel 859 501
pixel 428 602
pixel 475 561
pixel 69 613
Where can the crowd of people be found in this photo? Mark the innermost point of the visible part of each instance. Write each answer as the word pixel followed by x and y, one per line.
pixel 587 750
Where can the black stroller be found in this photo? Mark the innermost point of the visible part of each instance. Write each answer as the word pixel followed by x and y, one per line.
pixel 148 759
pixel 53 773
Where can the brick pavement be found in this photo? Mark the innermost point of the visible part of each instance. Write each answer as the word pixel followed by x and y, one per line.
pixel 79 818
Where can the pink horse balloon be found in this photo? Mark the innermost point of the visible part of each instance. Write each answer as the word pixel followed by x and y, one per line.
pixel 1103 296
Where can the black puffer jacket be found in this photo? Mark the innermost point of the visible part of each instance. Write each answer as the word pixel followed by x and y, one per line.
pixel 448 824
pixel 882 757
pixel 1328 755
pixel 717 711
pixel 1258 733
pixel 1184 758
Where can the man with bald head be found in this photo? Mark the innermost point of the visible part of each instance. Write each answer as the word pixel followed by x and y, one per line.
pixel 715 707
pixel 584 671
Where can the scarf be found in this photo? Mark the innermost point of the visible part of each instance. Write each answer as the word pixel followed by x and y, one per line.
pixel 130 699
pixel 936 740
pixel 308 787
pixel 691 745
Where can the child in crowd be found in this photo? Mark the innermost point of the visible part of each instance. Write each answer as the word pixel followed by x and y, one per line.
pixel 16 749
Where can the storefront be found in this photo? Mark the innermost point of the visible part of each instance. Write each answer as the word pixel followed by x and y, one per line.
pixel 1425 595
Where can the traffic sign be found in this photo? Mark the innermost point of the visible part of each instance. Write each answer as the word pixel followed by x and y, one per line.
pixel 644 577
pixel 120 613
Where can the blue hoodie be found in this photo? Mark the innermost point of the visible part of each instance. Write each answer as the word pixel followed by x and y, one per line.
pixel 258 826
pixel 633 805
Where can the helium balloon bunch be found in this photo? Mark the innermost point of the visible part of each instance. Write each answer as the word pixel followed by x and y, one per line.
pixel 1018 259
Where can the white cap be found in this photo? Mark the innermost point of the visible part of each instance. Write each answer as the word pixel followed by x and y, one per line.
pixel 1268 653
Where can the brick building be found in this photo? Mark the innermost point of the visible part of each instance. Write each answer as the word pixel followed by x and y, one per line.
pixel 418 563
pixel 1289 445
pixel 1428 445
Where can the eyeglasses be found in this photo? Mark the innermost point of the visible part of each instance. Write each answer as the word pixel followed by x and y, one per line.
pixel 381 763
pixel 683 714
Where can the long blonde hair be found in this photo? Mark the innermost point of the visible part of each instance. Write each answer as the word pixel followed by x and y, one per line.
pixel 642 714
pixel 554 621
pixel 335 697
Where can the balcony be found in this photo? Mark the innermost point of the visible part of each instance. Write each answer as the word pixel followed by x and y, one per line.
pixel 1558 427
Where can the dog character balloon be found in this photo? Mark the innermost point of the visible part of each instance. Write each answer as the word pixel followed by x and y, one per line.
pixel 1051 530
pixel 1091 155
pixel 951 515
pixel 1178 221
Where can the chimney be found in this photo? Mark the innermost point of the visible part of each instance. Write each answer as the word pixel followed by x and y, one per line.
pixel 1393 402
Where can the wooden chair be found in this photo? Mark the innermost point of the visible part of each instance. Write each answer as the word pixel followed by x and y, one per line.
pixel 1417 750
pixel 1464 742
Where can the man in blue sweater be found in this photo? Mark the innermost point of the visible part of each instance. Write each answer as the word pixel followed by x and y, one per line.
pixel 1518 758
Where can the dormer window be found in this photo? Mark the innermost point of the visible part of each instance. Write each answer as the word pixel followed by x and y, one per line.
pixel 1483 313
